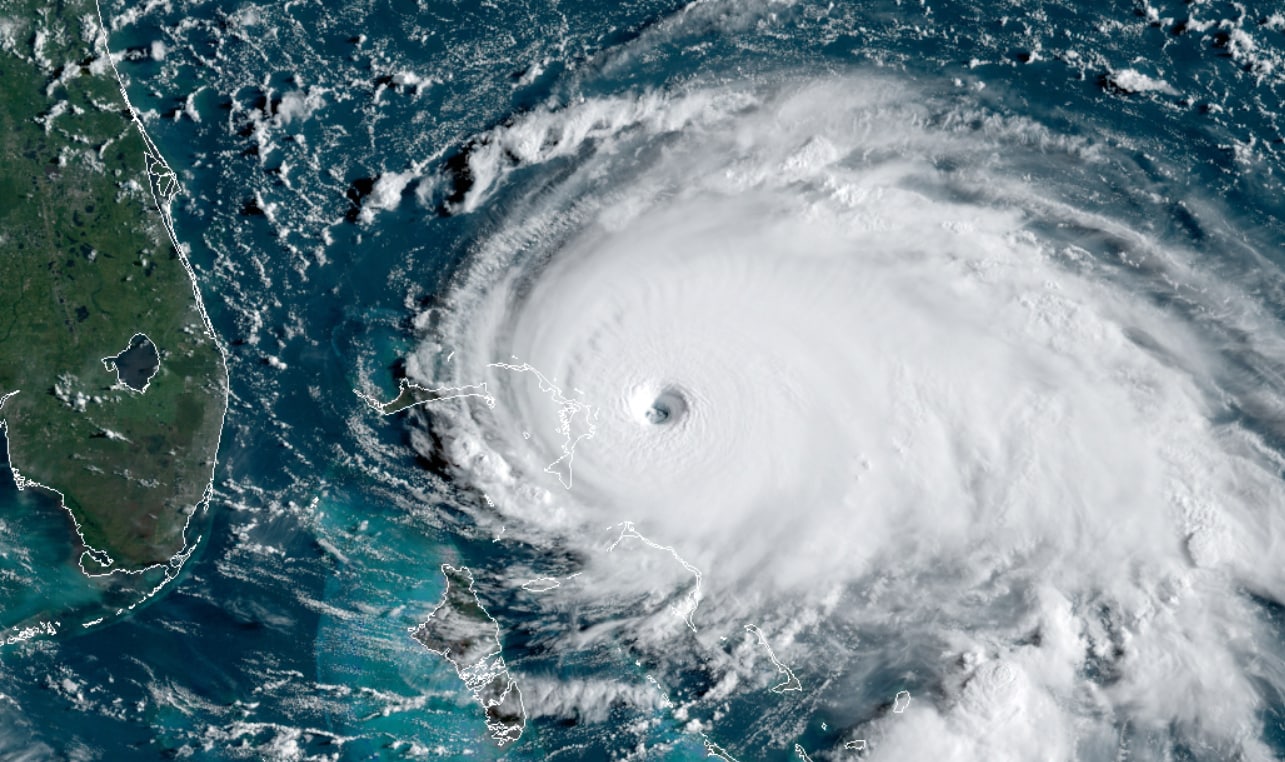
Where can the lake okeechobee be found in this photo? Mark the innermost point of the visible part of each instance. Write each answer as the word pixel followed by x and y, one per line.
pixel 790 356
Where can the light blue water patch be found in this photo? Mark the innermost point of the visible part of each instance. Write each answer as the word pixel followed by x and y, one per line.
pixel 39 560
pixel 43 588
pixel 288 632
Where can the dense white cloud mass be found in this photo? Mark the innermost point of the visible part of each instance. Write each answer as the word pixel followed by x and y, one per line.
pixel 875 360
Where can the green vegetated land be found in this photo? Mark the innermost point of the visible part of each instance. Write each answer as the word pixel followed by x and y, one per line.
pixel 85 264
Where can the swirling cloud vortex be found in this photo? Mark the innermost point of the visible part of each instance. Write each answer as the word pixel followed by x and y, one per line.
pixel 855 337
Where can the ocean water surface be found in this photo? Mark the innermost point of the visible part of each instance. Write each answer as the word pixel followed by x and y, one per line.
pixel 966 322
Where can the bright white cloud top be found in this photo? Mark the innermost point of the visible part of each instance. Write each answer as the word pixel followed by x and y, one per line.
pixel 877 361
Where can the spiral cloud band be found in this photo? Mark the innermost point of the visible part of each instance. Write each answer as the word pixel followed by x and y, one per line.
pixel 899 377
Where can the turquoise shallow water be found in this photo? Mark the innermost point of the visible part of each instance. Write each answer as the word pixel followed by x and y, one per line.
pixel 286 636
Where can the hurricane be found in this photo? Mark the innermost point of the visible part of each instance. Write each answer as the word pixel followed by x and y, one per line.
pixel 752 380
pixel 921 389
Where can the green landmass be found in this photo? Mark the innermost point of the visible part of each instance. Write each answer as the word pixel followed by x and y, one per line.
pixel 86 262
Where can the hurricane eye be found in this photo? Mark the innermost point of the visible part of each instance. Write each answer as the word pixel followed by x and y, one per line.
pixel 665 407
pixel 658 413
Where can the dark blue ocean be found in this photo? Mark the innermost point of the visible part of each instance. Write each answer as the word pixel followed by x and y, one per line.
pixel 288 124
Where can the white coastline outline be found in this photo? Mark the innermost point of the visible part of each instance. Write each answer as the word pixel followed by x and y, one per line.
pixel 803 755
pixel 97 555
pixel 628 532
pixel 900 702
pixel 790 683
pixel 444 392
pixel 714 750
pixel 495 728
pixel 158 171
pixel 109 363
pixel 568 409
pixel 31 631
pixel 541 585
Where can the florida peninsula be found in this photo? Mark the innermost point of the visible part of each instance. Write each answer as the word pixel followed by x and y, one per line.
pixel 114 386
